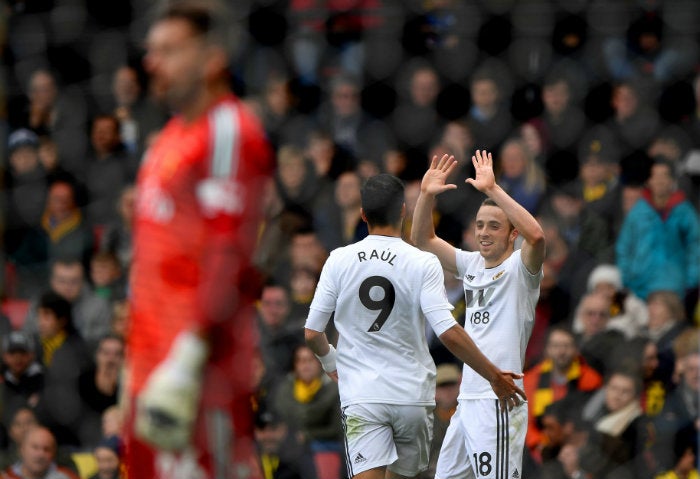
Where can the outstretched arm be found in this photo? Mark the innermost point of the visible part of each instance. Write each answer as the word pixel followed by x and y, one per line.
pixel 533 248
pixel 461 345
pixel 423 229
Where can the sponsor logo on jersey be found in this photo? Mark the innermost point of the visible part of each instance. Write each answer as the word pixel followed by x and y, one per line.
pixel 219 195
pixel 359 458
pixel 154 203
pixel 498 275
pixel 481 297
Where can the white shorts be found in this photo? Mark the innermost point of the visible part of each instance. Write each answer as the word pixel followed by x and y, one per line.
pixel 396 436
pixel 483 442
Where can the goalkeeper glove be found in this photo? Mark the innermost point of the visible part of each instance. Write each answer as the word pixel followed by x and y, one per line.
pixel 167 407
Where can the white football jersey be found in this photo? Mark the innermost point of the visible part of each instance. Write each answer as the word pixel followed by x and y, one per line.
pixel 499 317
pixel 380 289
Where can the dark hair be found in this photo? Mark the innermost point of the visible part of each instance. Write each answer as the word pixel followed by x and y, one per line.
pixel 490 202
pixel 59 306
pixel 208 18
pixel 382 200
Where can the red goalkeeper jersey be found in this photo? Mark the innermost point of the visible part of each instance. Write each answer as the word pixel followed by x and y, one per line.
pixel 197 214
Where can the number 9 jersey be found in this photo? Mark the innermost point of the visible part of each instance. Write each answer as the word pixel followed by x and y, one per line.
pixel 381 289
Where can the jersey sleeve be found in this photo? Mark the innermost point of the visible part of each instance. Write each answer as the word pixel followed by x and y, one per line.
pixel 326 294
pixel 531 280
pixel 236 164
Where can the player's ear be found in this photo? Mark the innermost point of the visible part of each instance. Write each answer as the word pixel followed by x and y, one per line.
pixel 362 214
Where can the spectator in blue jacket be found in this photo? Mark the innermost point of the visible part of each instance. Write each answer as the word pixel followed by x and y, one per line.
pixel 658 247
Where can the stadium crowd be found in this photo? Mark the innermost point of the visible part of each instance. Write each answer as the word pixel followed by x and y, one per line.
pixel 592 110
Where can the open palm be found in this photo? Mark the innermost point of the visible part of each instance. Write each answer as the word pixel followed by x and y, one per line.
pixel 434 180
pixel 484 178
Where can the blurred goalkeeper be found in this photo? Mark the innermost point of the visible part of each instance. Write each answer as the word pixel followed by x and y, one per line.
pixel 190 340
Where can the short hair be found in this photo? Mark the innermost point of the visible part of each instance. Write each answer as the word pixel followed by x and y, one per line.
pixel 490 202
pixel 58 305
pixel 209 19
pixel 382 199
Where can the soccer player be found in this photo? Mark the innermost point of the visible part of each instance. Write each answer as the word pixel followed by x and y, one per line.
pixel 190 339
pixel 382 291
pixel 501 286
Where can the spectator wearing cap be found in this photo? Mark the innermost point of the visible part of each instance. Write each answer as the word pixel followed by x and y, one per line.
pixel 282 454
pixel 447 381
pixel 23 375
pixel 25 197
pixel 628 313
pixel 657 248
pixel 65 358
pixel 108 457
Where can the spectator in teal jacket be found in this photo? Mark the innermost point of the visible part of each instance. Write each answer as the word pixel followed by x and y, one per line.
pixel 658 247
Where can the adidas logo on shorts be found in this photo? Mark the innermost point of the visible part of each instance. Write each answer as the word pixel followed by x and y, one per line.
pixel 515 474
pixel 359 458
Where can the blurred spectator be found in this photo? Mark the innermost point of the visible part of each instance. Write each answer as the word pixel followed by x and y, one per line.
pixel 296 181
pixel 596 341
pixel 681 410
pixel 277 337
pixel 99 387
pixel 583 229
pixel 618 434
pixel 276 108
pixel 352 129
pixel 520 175
pixel 17 426
pixel 138 115
pixel 108 454
pixel 112 421
pixel 109 169
pixel 329 159
pixel 561 123
pixel 644 52
pixel 415 120
pixel 303 249
pixel 106 276
pixel 59 112
pixel 658 245
pixel 488 118
pixel 302 284
pixel 25 197
pixel 37 455
pixel 338 223
pixel 447 381
pixel 308 401
pixel 23 375
pixel 667 322
pixel 562 373
pixel 628 313
pixel 66 232
pixel 282 454
pixel 91 314
pixel 116 237
pixel 685 455
pixel 65 357
pixel 634 123
pixel 330 35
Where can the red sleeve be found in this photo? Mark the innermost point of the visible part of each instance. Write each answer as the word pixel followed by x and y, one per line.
pixel 239 162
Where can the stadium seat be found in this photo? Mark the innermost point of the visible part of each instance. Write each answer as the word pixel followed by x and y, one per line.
pixel 16 310
pixel 327 464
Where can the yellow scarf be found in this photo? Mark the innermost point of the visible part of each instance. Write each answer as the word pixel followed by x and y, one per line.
pixel 50 345
pixel 303 392
pixel 270 464
pixel 592 193
pixel 58 231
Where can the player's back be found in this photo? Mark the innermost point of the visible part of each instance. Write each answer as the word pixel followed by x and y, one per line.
pixel 378 288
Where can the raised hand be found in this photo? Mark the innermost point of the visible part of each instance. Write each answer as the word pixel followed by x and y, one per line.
pixel 434 180
pixel 484 179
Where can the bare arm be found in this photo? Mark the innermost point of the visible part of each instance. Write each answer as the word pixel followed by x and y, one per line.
pixel 423 229
pixel 533 248
pixel 461 345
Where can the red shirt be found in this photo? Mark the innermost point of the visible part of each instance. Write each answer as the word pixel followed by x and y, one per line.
pixel 196 221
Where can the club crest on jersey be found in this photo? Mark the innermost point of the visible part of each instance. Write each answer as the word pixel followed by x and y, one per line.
pixel 499 274
pixel 154 203
pixel 219 195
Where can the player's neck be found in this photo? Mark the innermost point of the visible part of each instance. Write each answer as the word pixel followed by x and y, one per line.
pixel 385 231
pixel 203 102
